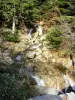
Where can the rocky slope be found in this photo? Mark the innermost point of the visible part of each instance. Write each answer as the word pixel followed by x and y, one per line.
pixel 48 71
pixel 48 68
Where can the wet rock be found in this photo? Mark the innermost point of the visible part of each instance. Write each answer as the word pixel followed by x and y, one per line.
pixel 71 78
pixel 63 96
pixel 35 46
pixel 71 96
pixel 18 58
pixel 46 97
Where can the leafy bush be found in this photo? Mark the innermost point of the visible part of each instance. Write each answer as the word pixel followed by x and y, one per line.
pixel 68 52
pixel 11 37
pixel 8 88
pixel 14 88
pixel 67 7
pixel 55 37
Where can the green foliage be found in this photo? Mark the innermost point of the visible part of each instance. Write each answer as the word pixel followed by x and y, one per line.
pixel 8 8
pixel 33 9
pixel 55 37
pixel 11 37
pixel 48 4
pixel 68 51
pixel 21 9
pixel 68 19
pixel 13 88
pixel 67 7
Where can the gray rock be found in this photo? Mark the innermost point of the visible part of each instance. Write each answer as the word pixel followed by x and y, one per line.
pixel 46 97
pixel 63 96
pixel 30 54
pixel 18 58
pixel 71 96
pixel 46 90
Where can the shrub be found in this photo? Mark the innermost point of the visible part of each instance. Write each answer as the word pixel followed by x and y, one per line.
pixel 11 37
pixel 55 37
pixel 15 88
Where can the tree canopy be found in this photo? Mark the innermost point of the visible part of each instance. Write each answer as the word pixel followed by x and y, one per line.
pixel 31 10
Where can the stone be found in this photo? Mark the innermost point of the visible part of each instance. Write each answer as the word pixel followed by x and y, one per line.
pixel 71 96
pixel 43 37
pixel 31 54
pixel 18 58
pixel 47 90
pixel 5 57
pixel 53 60
pixel 61 54
pixel 63 96
pixel 47 54
pixel 46 97
pixel 71 78
pixel 69 63
pixel 40 58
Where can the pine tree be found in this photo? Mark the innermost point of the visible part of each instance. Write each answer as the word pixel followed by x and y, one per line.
pixel 12 10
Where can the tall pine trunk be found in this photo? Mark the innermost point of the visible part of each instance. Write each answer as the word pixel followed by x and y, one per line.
pixel 13 25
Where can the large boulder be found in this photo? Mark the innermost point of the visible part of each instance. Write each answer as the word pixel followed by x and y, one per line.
pixel 46 97
pixel 63 96
pixel 46 90
pixel 71 96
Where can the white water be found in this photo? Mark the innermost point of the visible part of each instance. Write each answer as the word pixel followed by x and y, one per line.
pixel 39 81
pixel 69 81
pixel 72 83
pixel 39 30
pixel 36 46
pixel 30 33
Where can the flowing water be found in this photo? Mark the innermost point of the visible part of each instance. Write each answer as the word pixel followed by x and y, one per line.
pixel 30 33
pixel 69 84
pixel 39 81
pixel 39 30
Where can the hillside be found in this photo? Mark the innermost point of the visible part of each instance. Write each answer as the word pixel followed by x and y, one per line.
pixel 37 49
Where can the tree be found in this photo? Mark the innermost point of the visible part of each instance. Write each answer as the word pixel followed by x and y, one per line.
pixel 67 7
pixel 8 11
pixel 12 10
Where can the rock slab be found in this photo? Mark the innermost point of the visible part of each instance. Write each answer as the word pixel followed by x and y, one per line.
pixel 46 97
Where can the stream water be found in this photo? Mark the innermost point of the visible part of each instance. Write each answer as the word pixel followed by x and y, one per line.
pixel 30 33
pixel 39 81
pixel 37 29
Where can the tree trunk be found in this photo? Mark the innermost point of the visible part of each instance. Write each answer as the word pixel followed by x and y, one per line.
pixel 13 25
